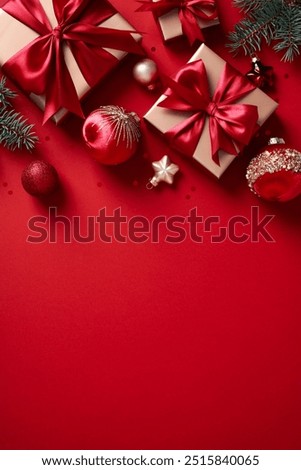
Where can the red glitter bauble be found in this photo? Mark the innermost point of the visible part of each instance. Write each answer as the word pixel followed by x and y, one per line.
pixel 39 179
pixel 112 134
pixel 275 173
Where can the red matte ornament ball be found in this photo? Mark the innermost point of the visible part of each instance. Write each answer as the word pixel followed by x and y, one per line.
pixel 112 134
pixel 39 179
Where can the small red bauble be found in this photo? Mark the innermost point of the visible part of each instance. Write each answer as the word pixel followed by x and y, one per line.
pixel 275 173
pixel 39 179
pixel 112 134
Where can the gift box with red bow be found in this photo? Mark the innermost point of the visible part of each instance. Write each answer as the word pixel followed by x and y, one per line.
pixel 210 111
pixel 178 17
pixel 57 51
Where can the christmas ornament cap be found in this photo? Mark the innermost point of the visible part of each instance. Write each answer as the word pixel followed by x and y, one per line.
pixel 276 140
pixel 275 173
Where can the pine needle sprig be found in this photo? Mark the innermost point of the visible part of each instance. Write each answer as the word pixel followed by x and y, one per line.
pixel 273 21
pixel 290 43
pixel 5 93
pixel 15 132
pixel 248 6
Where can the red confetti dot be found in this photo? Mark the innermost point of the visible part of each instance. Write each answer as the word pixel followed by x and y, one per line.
pixel 10 192
pixel 188 196
pixel 99 185
pixel 153 49
pixel 5 185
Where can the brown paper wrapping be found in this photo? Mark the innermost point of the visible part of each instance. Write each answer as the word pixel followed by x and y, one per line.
pixel 164 119
pixel 171 26
pixel 15 35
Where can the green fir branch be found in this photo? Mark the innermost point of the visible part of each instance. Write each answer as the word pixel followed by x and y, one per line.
pixel 15 133
pixel 271 21
pixel 5 93
pixel 248 6
pixel 290 43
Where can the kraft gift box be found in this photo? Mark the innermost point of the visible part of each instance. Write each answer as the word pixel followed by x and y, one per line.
pixel 14 36
pixel 171 26
pixel 164 119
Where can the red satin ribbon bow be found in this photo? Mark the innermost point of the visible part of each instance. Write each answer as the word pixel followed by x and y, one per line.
pixel 231 125
pixel 189 13
pixel 40 66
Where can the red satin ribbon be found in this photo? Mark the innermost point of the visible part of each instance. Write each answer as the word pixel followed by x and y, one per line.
pixel 231 125
pixel 40 66
pixel 189 12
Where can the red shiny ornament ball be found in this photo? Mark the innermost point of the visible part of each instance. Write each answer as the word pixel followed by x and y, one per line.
pixel 275 173
pixel 280 186
pixel 112 134
pixel 39 179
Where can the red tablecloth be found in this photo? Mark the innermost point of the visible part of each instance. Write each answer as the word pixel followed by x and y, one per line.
pixel 154 345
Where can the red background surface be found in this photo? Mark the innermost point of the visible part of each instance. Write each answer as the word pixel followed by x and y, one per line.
pixel 150 345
